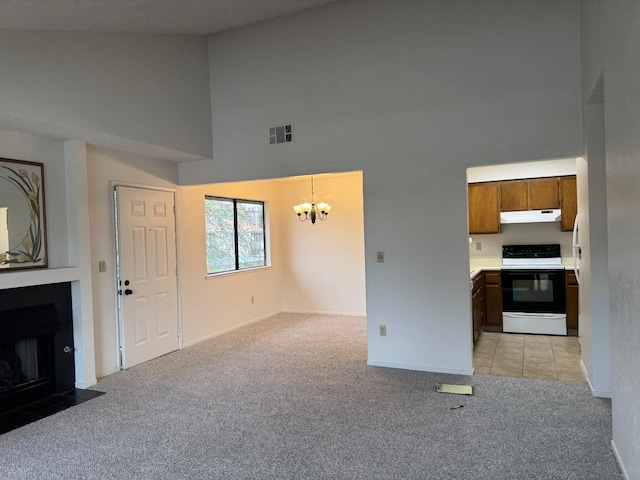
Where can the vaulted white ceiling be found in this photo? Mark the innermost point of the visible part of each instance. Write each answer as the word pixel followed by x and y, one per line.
pixel 191 17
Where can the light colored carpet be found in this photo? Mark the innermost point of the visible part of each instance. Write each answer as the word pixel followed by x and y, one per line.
pixel 291 397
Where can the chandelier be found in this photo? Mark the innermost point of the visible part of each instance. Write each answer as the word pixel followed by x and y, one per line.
pixel 312 211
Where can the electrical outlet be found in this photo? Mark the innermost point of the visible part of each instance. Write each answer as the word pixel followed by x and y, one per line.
pixel 102 266
pixel 383 330
pixel 380 257
pixel 478 246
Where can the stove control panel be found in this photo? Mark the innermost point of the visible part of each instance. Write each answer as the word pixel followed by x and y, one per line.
pixel 531 251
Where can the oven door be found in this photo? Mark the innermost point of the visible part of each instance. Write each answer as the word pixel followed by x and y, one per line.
pixel 533 291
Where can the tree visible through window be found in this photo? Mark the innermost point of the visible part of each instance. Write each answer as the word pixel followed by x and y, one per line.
pixel 235 234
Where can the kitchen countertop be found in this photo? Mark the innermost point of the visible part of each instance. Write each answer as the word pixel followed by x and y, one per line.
pixel 483 264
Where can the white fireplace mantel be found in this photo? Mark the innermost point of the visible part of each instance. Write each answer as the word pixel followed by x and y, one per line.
pixel 45 276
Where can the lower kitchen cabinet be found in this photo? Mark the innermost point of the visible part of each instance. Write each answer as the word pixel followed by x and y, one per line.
pixel 477 305
pixel 572 290
pixel 493 301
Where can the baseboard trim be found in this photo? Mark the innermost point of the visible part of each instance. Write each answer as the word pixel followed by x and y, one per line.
pixel 313 312
pixel 585 374
pixel 85 385
pixel 419 368
pixel 111 371
pixel 619 460
pixel 594 392
pixel 230 329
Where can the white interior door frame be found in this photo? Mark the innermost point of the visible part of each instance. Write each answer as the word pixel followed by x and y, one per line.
pixel 119 344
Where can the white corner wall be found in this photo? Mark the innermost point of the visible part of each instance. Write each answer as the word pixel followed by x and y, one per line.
pixel 151 89
pixel 414 95
pixel 324 263
pixel 611 43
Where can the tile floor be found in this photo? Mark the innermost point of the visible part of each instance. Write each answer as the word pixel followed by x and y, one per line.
pixel 528 356
pixel 43 408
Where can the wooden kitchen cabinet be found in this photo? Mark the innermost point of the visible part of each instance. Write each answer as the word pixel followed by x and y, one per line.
pixel 488 199
pixel 568 202
pixel 529 194
pixel 484 207
pixel 477 305
pixel 572 291
pixel 514 195
pixel 493 301
pixel 544 193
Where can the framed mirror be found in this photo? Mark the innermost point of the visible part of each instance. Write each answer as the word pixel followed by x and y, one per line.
pixel 23 236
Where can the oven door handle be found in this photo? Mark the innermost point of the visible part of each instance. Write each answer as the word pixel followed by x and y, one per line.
pixel 533 315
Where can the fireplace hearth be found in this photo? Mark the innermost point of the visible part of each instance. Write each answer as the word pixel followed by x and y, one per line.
pixel 36 344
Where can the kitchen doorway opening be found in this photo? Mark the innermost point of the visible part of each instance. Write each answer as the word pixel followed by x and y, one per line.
pixel 522 204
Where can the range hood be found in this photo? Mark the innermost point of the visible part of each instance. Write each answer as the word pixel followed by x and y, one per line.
pixel 530 216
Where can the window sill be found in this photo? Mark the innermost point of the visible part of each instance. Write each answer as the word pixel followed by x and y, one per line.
pixel 211 276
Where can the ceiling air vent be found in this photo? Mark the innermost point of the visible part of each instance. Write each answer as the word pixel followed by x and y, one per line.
pixel 281 134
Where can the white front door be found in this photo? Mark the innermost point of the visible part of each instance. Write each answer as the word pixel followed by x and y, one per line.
pixel 147 279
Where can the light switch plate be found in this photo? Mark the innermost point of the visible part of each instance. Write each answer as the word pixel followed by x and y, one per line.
pixel 102 266
pixel 380 257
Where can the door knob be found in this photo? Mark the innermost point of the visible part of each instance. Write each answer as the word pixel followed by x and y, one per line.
pixel 128 291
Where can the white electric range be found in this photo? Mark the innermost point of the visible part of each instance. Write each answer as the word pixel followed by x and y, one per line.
pixel 533 290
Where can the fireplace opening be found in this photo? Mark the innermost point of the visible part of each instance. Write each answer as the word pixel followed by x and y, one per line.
pixel 24 364
pixel 36 353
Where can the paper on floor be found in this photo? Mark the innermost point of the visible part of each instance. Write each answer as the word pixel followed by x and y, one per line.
pixel 457 389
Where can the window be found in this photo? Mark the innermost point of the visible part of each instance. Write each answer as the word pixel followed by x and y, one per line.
pixel 235 234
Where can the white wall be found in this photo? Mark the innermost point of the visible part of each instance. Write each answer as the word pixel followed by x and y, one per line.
pixel 520 234
pixel 545 168
pixel 148 88
pixel 104 166
pixel 594 311
pixel 214 305
pixel 414 95
pixel 324 263
pixel 611 42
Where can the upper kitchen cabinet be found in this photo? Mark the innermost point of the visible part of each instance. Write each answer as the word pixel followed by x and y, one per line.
pixel 544 193
pixel 530 194
pixel 484 207
pixel 569 202
pixel 514 195
pixel 488 199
